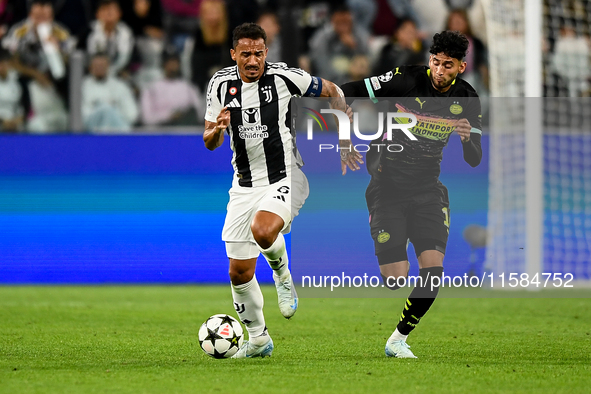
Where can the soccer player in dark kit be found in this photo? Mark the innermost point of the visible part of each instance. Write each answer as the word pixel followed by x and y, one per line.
pixel 405 198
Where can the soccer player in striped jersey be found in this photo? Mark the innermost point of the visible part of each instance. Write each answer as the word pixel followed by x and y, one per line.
pixel 405 198
pixel 251 102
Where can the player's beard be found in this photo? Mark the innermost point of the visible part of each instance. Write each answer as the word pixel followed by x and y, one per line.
pixel 446 84
pixel 443 84
pixel 249 76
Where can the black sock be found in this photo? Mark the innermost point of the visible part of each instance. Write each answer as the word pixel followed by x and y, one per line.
pixel 420 300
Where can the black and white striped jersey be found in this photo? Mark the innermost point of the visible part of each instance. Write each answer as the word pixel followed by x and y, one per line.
pixel 260 117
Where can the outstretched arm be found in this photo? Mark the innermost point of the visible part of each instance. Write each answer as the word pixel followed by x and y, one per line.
pixel 355 89
pixel 337 100
pixel 349 156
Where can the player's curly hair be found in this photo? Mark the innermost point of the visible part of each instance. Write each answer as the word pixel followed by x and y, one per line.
pixel 248 30
pixel 452 43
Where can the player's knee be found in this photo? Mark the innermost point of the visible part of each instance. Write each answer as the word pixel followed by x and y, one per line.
pixel 263 234
pixel 393 266
pixel 240 274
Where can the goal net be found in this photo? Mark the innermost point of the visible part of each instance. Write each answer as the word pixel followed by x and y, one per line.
pixel 559 169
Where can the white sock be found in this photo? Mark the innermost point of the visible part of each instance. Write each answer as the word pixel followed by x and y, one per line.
pixel 397 336
pixel 248 302
pixel 260 340
pixel 276 256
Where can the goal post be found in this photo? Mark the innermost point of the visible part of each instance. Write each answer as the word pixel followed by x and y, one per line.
pixel 539 216
pixel 534 146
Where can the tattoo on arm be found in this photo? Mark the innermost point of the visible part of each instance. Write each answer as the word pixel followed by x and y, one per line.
pixel 337 97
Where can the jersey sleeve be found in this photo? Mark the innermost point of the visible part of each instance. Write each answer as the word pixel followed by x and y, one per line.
pixel 474 114
pixel 213 105
pixel 299 82
pixel 391 84
pixel 472 149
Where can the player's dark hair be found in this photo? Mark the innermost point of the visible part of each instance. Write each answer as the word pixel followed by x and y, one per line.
pixel 248 30
pixel 452 43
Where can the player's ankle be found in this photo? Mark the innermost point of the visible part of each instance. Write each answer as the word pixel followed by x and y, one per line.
pixel 397 336
pixel 260 339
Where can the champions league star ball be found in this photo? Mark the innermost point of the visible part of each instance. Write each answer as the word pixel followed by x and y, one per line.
pixel 221 336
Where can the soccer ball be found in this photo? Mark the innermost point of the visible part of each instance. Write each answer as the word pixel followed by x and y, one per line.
pixel 221 336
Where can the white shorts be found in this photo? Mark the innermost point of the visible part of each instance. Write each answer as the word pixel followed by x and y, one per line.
pixel 284 198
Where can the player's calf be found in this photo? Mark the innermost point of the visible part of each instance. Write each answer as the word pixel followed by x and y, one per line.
pixel 278 260
pixel 420 299
pixel 248 303
pixel 394 266
pixel 276 256
pixel 415 307
pixel 266 229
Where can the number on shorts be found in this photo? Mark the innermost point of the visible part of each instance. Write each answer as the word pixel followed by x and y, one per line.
pixel 283 189
pixel 446 213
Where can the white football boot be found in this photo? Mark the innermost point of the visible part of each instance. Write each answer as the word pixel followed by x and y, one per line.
pixel 250 350
pixel 398 349
pixel 286 295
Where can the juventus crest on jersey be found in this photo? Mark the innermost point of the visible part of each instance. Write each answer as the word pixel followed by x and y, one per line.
pixel 260 117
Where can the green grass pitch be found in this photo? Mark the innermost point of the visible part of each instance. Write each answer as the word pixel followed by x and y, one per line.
pixel 109 339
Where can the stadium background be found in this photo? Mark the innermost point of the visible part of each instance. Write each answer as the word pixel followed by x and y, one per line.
pixel 149 209
pixel 148 206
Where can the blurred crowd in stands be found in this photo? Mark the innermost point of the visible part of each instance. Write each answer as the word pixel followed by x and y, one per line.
pixel 147 62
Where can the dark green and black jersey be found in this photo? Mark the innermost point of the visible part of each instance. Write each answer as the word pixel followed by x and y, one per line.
pixel 416 166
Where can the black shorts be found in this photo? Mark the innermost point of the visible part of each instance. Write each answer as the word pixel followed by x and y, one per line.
pixel 395 218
